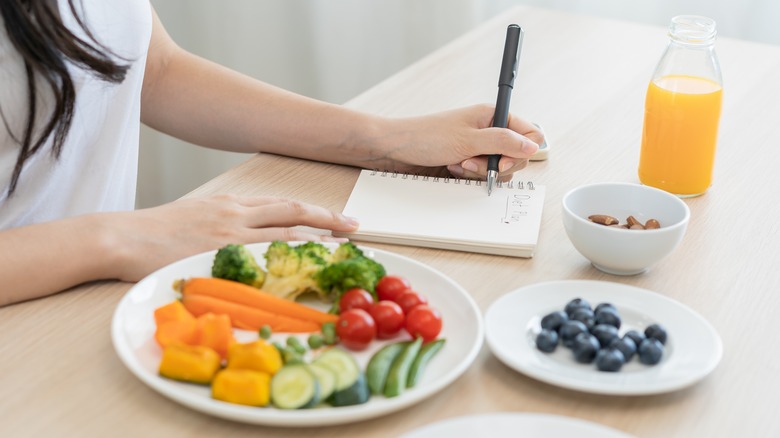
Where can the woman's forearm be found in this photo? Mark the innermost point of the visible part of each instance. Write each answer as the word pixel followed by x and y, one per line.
pixel 38 260
pixel 240 114
pixel 207 104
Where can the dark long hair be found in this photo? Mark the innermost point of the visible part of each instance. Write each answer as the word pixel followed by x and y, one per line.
pixel 36 31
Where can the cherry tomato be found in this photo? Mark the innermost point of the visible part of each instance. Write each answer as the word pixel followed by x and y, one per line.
pixel 356 298
pixel 389 318
pixel 424 321
pixel 409 300
pixel 390 287
pixel 355 329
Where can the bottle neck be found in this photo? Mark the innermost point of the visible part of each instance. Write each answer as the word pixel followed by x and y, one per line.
pixel 692 30
pixel 691 50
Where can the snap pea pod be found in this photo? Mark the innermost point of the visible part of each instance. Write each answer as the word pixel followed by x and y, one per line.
pixel 421 361
pixel 399 371
pixel 379 366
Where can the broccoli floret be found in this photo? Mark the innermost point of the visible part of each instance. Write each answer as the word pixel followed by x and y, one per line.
pixel 311 263
pixel 292 269
pixel 314 250
pixel 281 259
pixel 346 250
pixel 311 267
pixel 235 262
pixel 341 276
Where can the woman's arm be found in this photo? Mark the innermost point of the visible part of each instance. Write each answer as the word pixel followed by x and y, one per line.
pixel 42 259
pixel 204 103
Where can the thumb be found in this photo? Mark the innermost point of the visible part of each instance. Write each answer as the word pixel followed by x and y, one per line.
pixel 506 142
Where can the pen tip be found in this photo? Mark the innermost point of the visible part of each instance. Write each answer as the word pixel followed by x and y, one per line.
pixel 491 180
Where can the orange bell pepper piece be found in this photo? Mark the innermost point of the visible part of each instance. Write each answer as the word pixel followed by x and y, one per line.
pixel 257 355
pixel 189 363
pixel 174 323
pixel 246 387
pixel 215 331
pixel 173 311
pixel 182 332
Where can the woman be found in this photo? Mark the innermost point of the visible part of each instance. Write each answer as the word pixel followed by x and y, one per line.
pixel 79 76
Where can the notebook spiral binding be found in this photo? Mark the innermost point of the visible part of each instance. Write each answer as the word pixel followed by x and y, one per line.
pixel 519 185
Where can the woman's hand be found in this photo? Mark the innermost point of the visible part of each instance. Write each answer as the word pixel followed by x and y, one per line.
pixel 460 139
pixel 152 238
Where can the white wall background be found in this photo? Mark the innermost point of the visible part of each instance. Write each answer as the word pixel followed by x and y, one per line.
pixel 334 49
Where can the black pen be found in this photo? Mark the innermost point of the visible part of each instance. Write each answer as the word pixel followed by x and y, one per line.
pixel 506 81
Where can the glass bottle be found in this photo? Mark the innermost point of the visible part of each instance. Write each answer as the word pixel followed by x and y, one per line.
pixel 682 111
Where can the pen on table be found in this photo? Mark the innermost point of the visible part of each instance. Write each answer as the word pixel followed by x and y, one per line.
pixel 506 81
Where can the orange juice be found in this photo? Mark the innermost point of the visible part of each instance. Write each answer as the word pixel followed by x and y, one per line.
pixel 680 133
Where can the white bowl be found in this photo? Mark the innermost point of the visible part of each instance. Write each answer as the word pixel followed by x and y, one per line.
pixel 622 251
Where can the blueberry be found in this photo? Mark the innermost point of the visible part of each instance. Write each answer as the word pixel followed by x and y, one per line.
pixel 585 347
pixel 625 345
pixel 585 316
pixel 569 330
pixel 575 304
pixel 605 333
pixel 655 331
pixel 635 336
pixel 554 320
pixel 547 340
pixel 605 306
pixel 608 316
pixel 650 351
pixel 609 359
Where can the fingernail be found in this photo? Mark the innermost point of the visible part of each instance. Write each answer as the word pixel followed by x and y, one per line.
pixel 351 221
pixel 455 170
pixel 529 147
pixel 469 165
pixel 506 166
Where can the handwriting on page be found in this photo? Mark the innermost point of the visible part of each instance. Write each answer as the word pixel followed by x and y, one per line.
pixel 516 208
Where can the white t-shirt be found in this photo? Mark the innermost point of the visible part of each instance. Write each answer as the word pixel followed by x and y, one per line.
pixel 97 169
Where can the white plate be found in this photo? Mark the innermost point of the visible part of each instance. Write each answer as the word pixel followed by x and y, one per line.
pixel 692 350
pixel 132 333
pixel 511 424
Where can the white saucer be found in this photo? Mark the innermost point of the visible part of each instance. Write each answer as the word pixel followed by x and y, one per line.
pixel 692 351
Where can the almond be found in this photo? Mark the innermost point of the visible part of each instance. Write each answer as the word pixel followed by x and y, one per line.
pixel 603 219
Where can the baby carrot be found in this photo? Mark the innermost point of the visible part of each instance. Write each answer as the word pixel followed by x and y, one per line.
pixel 241 293
pixel 246 317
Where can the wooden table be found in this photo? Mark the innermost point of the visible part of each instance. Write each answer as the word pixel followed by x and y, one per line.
pixel 584 80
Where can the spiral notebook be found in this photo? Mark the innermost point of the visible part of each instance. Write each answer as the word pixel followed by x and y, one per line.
pixel 446 213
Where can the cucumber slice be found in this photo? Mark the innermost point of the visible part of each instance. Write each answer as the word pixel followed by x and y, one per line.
pixel 351 387
pixel 326 379
pixel 356 394
pixel 343 364
pixel 294 387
